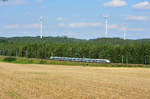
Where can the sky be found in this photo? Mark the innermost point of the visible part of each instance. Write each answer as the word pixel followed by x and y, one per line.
pixel 81 19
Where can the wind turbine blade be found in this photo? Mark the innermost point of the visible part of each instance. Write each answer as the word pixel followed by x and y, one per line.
pixel 102 15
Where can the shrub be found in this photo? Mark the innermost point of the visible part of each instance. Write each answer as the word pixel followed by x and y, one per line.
pixel 9 59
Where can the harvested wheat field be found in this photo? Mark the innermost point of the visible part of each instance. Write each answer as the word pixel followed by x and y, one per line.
pixel 20 81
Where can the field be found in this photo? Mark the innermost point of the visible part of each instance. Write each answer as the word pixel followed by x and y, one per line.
pixel 24 81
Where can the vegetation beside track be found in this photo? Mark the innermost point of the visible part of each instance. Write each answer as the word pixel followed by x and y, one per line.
pixel 20 60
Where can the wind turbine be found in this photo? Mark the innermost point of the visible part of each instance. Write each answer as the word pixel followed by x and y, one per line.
pixel 106 25
pixel 41 27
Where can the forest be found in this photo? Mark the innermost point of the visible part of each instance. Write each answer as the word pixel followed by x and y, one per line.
pixel 115 49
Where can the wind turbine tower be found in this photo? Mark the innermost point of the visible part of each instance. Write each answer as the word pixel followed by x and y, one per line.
pixel 41 27
pixel 124 33
pixel 106 26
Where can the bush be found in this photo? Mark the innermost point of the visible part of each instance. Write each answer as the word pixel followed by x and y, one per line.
pixel 42 62
pixel 9 59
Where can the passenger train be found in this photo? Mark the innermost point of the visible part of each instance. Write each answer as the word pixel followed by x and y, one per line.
pixel 86 60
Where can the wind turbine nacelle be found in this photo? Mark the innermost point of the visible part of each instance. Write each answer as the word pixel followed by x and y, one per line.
pixel 106 17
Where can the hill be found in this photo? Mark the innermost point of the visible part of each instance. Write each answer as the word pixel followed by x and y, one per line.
pixel 115 49
pixel 71 40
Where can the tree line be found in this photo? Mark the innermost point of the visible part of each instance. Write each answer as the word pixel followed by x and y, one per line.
pixel 114 49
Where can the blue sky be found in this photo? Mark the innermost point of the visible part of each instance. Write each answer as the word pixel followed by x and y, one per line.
pixel 75 18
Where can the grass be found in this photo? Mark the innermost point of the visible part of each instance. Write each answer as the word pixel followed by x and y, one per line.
pixel 37 81
pixel 13 95
pixel 19 60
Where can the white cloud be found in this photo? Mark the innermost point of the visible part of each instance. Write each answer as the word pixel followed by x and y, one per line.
pixel 86 25
pixel 17 2
pixel 13 2
pixel 115 3
pixel 83 24
pixel 61 24
pixel 132 29
pixel 113 26
pixel 39 1
pixel 14 26
pixel 32 26
pixel 142 5
pixel 136 29
pixel 60 18
pixel 42 7
pixel 26 26
pixel 139 18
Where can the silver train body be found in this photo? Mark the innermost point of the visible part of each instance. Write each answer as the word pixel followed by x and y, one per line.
pixel 86 60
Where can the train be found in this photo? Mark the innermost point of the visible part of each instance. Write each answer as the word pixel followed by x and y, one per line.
pixel 86 60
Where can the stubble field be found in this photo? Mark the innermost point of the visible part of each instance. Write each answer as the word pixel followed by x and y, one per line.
pixel 23 81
